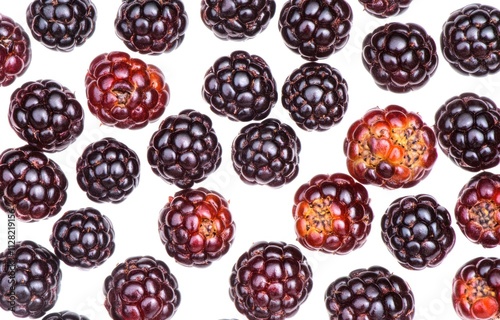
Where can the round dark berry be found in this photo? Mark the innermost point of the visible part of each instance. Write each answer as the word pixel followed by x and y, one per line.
pixel 46 115
pixel 141 288
pixel 236 19
pixel 151 26
pixel 266 153
pixel 468 131
pixel 83 238
pixel 400 57
pixel 64 315
pixel 185 149
pixel 315 95
pixel 15 50
pixel 385 8
pixel 270 281
pixel 61 25
pixel 108 171
pixel 315 29
pixel 240 87
pixel 37 276
pixel 32 186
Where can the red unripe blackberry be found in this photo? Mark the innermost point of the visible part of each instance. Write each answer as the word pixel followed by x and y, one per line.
pixel 15 50
pixel 385 8
pixel 64 315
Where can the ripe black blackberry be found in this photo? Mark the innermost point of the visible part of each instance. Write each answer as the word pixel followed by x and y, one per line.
pixel 46 115
pixel 185 149
pixel 316 96
pixel 32 186
pixel 469 39
pixel 240 87
pixel 83 238
pixel 37 277
pixel 266 153
pixel 64 315
pixel 61 25
pixel 385 8
pixel 373 293
pixel 315 29
pixel 400 57
pixel 235 19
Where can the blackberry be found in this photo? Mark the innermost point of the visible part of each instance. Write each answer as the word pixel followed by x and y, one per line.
pixel 270 281
pixel 64 315
pixel 315 29
pixel 15 50
pixel 151 26
pixel 46 115
pixel 196 227
pixel 185 149
pixel 108 171
pixel 141 287
pixel 61 25
pixel 469 40
pixel 266 153
pixel 240 87
pixel 237 20
pixel 37 276
pixel 315 96
pixel 400 57
pixel 385 8
pixel 417 231
pixel 32 186
pixel 83 238
pixel 468 131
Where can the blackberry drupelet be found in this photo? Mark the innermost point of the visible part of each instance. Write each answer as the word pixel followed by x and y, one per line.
pixel 15 50
pixel 315 96
pixel 64 315
pixel 385 8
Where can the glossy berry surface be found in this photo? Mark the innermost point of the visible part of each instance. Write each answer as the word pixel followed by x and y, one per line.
pixel 108 171
pixel 235 19
pixel 196 227
pixel 417 231
pixel 151 26
pixel 390 147
pixel 83 238
pixel 61 25
pixel 141 287
pixel 400 56
pixel 240 87
pixel 64 315
pixel 332 214
pixel 185 149
pixel 266 153
pixel 385 8
pixel 477 209
pixel 125 92
pixel 15 50
pixel 315 29
pixel 315 96
pixel 270 281
pixel 46 115
pixel 32 186
pixel 475 289
pixel 374 293
pixel 469 40
pixel 467 127
pixel 37 276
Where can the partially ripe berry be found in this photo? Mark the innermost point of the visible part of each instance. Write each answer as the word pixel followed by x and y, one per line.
pixel 15 50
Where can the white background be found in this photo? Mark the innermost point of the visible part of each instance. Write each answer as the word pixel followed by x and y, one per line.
pixel 260 213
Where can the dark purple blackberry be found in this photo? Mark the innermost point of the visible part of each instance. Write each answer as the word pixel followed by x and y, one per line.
pixel 469 40
pixel 61 25
pixel 151 26
pixel 83 238
pixel 385 8
pixel 32 186
pixel 185 149
pixel 400 57
pixel 266 153
pixel 236 19
pixel 108 171
pixel 141 288
pixel 373 293
pixel 37 276
pixel 417 231
pixel 316 96
pixel 315 29
pixel 240 87
pixel 468 131
pixel 270 281
pixel 46 115
pixel 64 315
